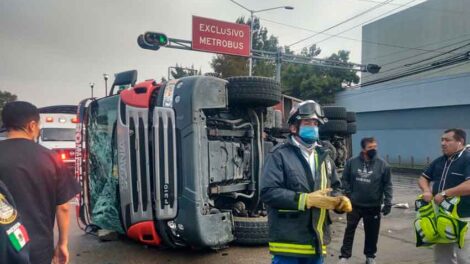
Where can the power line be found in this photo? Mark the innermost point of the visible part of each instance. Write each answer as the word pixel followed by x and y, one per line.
pixel 378 17
pixel 463 57
pixel 416 62
pixel 402 85
pixel 348 38
pixel 407 65
pixel 423 8
pixel 432 43
pixel 376 2
pixel 343 22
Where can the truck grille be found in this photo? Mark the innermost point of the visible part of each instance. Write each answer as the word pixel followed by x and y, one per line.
pixel 165 162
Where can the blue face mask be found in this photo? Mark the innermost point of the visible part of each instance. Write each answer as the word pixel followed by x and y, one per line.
pixel 308 134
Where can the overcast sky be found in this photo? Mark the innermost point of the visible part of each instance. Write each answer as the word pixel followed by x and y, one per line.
pixel 52 49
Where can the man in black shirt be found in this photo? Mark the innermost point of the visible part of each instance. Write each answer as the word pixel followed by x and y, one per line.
pixel 14 239
pixel 38 181
pixel 450 174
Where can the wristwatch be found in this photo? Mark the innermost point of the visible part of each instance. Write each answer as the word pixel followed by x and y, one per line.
pixel 443 194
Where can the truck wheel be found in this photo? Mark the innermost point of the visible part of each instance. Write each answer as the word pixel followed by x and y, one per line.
pixel 251 231
pixel 334 127
pixel 352 128
pixel 335 112
pixel 351 117
pixel 256 91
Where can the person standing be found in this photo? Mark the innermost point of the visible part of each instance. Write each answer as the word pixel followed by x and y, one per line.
pixel 298 176
pixel 367 182
pixel 450 175
pixel 39 183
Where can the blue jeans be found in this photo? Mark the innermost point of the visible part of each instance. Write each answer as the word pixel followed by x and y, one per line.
pixel 297 260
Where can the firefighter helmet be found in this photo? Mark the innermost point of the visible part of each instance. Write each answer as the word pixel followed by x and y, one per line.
pixel 307 110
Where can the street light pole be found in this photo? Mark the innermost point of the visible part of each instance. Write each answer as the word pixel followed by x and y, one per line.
pixel 92 84
pixel 252 17
pixel 106 77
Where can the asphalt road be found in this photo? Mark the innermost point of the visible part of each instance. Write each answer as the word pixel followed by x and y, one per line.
pixel 396 242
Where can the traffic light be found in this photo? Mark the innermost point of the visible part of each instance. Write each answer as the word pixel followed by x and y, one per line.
pixel 152 40
pixel 155 38
pixel 373 68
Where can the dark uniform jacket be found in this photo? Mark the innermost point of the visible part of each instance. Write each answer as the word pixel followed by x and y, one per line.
pixel 14 244
pixel 293 229
pixel 367 183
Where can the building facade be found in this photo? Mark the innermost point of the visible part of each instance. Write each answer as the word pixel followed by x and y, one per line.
pixel 424 84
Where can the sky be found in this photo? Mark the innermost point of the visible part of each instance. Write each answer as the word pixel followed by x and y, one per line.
pixel 51 50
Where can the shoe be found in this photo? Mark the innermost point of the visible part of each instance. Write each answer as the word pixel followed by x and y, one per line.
pixel 343 261
pixel 370 260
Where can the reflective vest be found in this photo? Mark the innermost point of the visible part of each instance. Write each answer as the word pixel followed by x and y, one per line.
pixel 439 224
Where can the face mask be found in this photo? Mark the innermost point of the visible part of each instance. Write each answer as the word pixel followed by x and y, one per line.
pixel 308 134
pixel 371 153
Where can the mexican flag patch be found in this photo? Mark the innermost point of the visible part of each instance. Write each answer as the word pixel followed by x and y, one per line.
pixel 18 236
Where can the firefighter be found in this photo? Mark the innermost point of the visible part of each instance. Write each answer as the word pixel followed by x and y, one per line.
pixel 298 179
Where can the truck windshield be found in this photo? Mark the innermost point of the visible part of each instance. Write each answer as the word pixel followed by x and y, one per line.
pixel 103 178
pixel 58 134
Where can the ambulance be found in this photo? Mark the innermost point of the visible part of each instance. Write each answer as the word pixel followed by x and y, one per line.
pixel 58 124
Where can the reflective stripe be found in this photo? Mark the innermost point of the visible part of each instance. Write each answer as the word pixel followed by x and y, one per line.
pixel 302 200
pixel 292 248
pixel 287 211
pixel 321 219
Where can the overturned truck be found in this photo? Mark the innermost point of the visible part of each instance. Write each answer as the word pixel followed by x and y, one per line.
pixel 178 164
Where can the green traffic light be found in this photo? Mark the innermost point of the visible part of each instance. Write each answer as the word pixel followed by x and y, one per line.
pixel 163 40
pixel 155 39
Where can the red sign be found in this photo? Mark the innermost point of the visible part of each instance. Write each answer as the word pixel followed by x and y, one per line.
pixel 221 37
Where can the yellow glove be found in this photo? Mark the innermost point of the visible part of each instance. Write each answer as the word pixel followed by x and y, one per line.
pixel 345 205
pixel 320 199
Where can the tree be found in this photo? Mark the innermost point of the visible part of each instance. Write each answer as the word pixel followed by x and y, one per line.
pixel 318 83
pixel 179 71
pixel 227 65
pixel 5 97
pixel 298 80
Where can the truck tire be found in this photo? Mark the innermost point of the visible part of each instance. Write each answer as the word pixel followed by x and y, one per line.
pixel 335 112
pixel 352 128
pixel 255 91
pixel 251 231
pixel 334 127
pixel 351 117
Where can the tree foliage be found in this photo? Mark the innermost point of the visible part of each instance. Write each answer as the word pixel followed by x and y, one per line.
pixel 227 65
pixel 6 97
pixel 318 83
pixel 299 80
pixel 180 71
